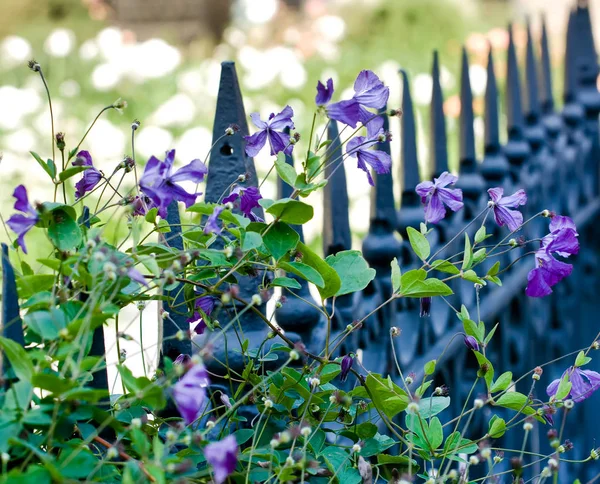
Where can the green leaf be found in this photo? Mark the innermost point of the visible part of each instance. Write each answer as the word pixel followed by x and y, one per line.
pixel 30 285
pixel 304 271
pixel 472 276
pixel 49 169
pixel 285 171
pixel 352 269
pixel 419 243
pixel 304 188
pixel 502 382
pixel 149 392
pixel 427 288
pixel 564 387
pixel 286 282
pixel 16 355
pixel 494 269
pixel 488 338
pixel 445 266
pixel 312 164
pixel 480 235
pixel 388 397
pixel 396 276
pixel 329 372
pixel 581 359
pixel 456 445
pixel 428 407
pixel 251 240
pixel 391 465
pixel 291 211
pixel 47 324
pixel 486 370
pixel 151 215
pixel 479 255
pixel 468 255
pixel 513 400
pixel 497 427
pixel 63 231
pixel 473 329
pixel 332 282
pixel 69 172
pixel 429 367
pixel 435 433
pixel 280 239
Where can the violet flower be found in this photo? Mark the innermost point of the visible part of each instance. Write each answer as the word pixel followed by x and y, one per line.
pixel 380 161
pixel 324 93
pixel 271 131
pixel 160 184
pixel 222 456
pixel 549 271
pixel 211 226
pixel 347 112
pixel 425 307
pixel 91 176
pixel 583 383
pixel 502 205
pixel 471 343
pixel 136 276
pixel 345 366
pixel 21 223
pixel 182 359
pixel 189 393
pixel 247 198
pixel 207 305
pixel 141 204
pixel 435 195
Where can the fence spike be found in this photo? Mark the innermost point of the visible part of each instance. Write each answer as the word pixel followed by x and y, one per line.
pixel 586 58
pixel 408 156
pixel 228 158
pixel 570 70
pixel 467 134
pixel 533 102
pixel 546 72
pixel 494 165
pixel 514 108
pixel 383 207
pixel 438 139
pixel 12 325
pixel 336 223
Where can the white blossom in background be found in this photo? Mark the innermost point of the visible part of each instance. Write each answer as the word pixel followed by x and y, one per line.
pixel 194 143
pixel 89 50
pixel 60 42
pixel 16 104
pixel 105 77
pixel 331 27
pixel 106 142
pixel 152 140
pixel 190 81
pixel 388 73
pixel 14 51
pixel 447 80
pixel 329 51
pixel 235 37
pixel 293 76
pixel 478 79
pixel 151 59
pixel 21 141
pixel 178 110
pixel 69 88
pixel 421 89
pixel 42 120
pixel 109 42
pixel 258 11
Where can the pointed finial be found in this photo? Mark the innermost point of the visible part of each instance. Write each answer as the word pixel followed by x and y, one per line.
pixel 494 166
pixel 587 58
pixel 514 109
pixel 546 80
pixel 438 140
pixel 408 156
pixel 228 157
pixel 533 103
pixel 467 134
pixel 570 72
pixel 336 223
pixel 383 207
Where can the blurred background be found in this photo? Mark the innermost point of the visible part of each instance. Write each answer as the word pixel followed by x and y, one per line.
pixel 163 57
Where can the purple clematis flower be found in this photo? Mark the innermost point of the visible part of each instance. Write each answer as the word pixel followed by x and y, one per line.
pixel 347 112
pixel 211 226
pixel 345 366
pixel 502 205
pixel 136 276
pixel 425 307
pixel 272 131
pixel 549 271
pixel 160 184
pixel 141 204
pixel 189 393
pixel 91 176
pixel 358 147
pixel 435 195
pixel 583 383
pixel 247 197
pixel 324 93
pixel 21 223
pixel 222 456
pixel 207 305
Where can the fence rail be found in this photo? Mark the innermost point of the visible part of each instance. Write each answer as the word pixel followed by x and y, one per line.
pixel 553 154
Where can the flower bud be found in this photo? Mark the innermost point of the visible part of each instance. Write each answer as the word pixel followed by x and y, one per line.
pixel 314 382
pixel 527 426
pixel 486 453
pixel 306 431
pixel 268 403
pixel 346 365
pixel 471 343
pixel 356 448
pixel 112 453
pixel 478 403
pixel 473 460
pixel 294 355
pixel 136 423
pixel 395 332
pixel 413 407
pixel 425 307
pixel 256 299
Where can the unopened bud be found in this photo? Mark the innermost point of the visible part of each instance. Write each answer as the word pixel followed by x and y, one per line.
pixel 413 407
pixel 306 431
pixel 527 426
pixel 136 423
pixel 294 355
pixel 395 331
pixel 356 448
pixel 478 403
pixel 112 453
pixel 256 299
pixel 268 403
pixel 314 382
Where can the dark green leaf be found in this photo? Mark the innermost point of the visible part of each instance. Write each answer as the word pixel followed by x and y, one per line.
pixel 304 271
pixel 285 171
pixel 435 433
pixel 69 172
pixel 47 324
pixel 291 211
pixel 30 285
pixel 251 240
pixel 63 231
pixel 486 370
pixel 286 282
pixel 330 277
pixel 428 407
pixel 388 397
pixel 280 239
pixel 16 355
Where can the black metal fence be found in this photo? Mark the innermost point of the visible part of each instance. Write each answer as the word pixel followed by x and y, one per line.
pixel 553 154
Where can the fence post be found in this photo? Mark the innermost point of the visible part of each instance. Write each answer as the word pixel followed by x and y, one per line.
pixel 438 141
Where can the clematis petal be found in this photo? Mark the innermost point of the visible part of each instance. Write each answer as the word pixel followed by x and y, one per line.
pixel 424 188
pixel 536 284
pixel 434 209
pixel 195 172
pixel 255 143
pixel 580 389
pixel 278 142
pixel 222 456
pixel 260 124
pixel 553 387
pixel 20 224
pixel 22 201
pixel 91 178
pixel 83 158
pixel 363 166
pixel 370 91
pixel 445 179
pixel 452 198
pixel 503 216
pixel 249 199
pixel 514 200
pixel 175 192
pixel 559 222
pixel 283 119
pixel 324 94
pixel 380 161
pixel 189 393
pixel 211 225
pixel 347 112
pixel 496 194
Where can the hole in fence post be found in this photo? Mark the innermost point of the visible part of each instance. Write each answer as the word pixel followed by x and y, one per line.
pixel 226 150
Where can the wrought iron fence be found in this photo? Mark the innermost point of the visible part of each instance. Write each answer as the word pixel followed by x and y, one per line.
pixel 553 154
